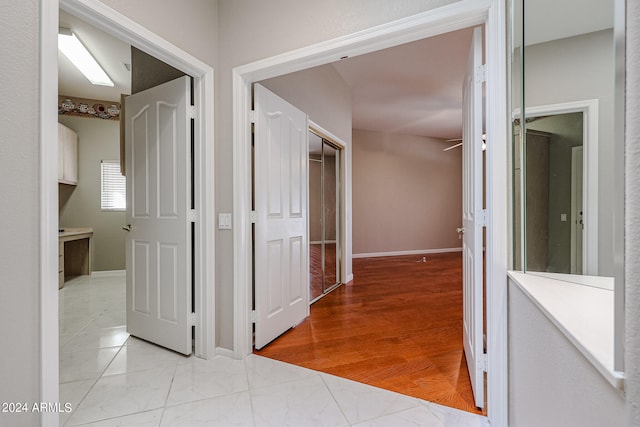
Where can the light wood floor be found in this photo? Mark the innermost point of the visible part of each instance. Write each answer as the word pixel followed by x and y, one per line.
pixel 398 326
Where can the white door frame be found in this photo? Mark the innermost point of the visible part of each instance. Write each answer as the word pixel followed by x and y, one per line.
pixel 103 17
pixel 462 14
pixel 589 110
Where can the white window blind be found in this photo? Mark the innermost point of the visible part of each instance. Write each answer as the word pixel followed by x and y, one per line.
pixel 113 186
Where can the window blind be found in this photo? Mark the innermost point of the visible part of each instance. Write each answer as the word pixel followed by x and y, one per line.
pixel 113 195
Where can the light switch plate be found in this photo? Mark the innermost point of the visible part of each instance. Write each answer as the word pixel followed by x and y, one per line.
pixel 224 221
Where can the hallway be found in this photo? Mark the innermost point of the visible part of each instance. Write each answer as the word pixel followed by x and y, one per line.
pixel 111 379
pixel 397 326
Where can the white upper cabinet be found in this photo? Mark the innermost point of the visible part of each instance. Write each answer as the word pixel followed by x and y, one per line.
pixel 67 155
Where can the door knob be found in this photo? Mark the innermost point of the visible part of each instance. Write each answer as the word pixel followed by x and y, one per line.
pixel 127 227
pixel 460 230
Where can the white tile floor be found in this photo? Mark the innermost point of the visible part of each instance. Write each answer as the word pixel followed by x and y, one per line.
pixel 112 379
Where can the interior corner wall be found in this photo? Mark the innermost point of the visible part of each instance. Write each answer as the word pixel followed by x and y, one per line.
pixel 20 209
pixel 407 193
pixel 632 216
pixel 80 204
pixel 147 71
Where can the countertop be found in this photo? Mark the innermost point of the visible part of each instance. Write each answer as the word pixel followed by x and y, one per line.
pixel 582 311
pixel 74 231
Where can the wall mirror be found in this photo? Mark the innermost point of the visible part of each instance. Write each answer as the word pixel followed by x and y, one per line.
pixel 568 141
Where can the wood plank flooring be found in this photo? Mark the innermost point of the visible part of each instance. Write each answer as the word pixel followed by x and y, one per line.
pixel 398 326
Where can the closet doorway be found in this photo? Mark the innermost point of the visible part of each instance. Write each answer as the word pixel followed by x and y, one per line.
pixel 324 216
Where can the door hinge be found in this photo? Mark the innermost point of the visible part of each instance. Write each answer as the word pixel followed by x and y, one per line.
pixel 482 363
pixel 253 316
pixel 193 319
pixel 192 215
pixel 252 116
pixel 192 111
pixel 481 73
pixel 253 216
pixel 482 218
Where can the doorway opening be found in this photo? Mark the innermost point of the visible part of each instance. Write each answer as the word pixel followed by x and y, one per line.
pixel 442 20
pixel 111 22
pixel 414 187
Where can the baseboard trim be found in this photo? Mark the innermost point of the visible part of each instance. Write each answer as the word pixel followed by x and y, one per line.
pixel 400 253
pixel 108 273
pixel 319 242
pixel 225 352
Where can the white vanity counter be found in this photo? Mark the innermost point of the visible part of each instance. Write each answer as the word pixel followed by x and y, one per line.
pixel 583 311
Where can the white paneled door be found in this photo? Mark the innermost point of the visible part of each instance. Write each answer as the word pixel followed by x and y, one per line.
pixel 281 231
pixel 158 253
pixel 473 218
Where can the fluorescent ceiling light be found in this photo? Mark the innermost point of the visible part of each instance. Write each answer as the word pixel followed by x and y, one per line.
pixel 75 51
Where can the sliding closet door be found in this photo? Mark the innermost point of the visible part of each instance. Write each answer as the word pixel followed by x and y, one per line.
pixel 324 216
pixel 316 276
pixel 330 167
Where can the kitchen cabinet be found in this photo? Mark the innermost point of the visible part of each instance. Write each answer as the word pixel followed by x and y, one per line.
pixel 67 155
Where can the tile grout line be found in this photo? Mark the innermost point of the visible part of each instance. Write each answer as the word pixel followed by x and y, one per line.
pixel 335 400
pixel 166 399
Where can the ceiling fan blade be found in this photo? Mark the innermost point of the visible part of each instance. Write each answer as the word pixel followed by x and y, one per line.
pixel 453 146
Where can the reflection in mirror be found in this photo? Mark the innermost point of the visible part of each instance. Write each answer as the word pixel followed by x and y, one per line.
pixel 324 217
pixel 554 193
pixel 568 57
pixel 316 280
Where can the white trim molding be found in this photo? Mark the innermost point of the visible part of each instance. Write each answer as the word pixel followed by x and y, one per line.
pixel 498 207
pixel 108 273
pixel 452 17
pixel 413 252
pixel 48 182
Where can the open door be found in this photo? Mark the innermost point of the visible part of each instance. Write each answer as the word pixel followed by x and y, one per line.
pixel 473 218
pixel 577 210
pixel 281 229
pixel 158 252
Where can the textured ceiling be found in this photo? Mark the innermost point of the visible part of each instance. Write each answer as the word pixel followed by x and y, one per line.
pixel 414 88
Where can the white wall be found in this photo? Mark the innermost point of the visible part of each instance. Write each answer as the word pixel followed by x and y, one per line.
pixel 19 210
pixel 576 69
pixel 632 216
pixel 550 382
pixel 407 193
pixel 80 205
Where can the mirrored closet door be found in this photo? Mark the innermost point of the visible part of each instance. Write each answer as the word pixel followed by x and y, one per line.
pixel 324 218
